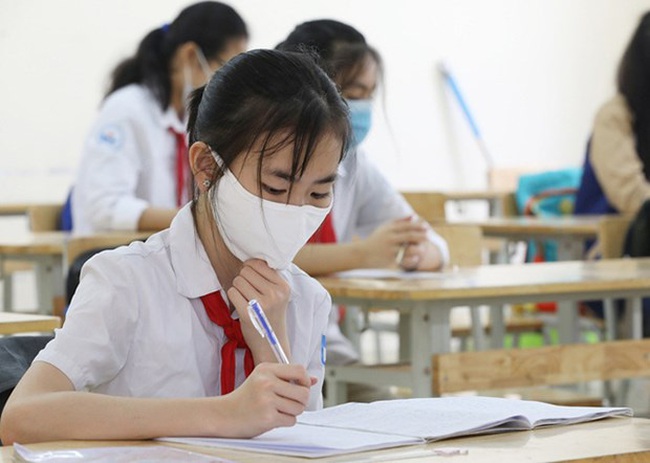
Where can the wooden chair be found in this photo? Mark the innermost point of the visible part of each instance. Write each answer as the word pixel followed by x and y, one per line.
pixel 544 366
pixel 430 205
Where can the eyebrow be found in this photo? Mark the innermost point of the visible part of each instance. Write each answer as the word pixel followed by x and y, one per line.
pixel 287 176
pixel 356 84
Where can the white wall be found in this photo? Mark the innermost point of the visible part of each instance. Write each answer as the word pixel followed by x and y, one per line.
pixel 533 73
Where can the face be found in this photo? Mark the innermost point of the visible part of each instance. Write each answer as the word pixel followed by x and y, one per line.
pixel 313 188
pixel 364 84
pixel 233 47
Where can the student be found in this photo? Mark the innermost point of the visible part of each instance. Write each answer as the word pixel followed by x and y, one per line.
pixel 366 207
pixel 144 331
pixel 133 173
pixel 616 174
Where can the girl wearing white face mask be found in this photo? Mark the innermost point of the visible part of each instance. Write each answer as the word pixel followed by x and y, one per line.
pixel 367 206
pixel 159 331
pixel 134 173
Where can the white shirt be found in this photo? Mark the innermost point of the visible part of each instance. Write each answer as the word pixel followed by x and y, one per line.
pixel 128 163
pixel 363 200
pixel 136 326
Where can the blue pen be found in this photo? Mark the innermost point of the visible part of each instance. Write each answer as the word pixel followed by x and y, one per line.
pixel 263 327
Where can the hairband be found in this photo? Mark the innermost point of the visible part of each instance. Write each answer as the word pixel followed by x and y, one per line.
pixel 165 27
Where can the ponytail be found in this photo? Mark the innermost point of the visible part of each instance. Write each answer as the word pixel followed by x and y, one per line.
pixel 148 67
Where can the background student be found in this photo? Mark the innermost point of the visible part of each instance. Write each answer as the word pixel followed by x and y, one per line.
pixel 616 176
pixel 617 166
pixel 133 173
pixel 158 332
pixel 366 206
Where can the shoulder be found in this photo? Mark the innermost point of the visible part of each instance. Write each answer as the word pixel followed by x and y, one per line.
pixel 131 98
pixel 133 260
pixel 615 111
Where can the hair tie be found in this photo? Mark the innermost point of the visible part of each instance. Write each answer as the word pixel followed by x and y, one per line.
pixel 165 27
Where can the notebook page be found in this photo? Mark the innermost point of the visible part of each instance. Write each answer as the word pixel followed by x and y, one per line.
pixel 431 418
pixel 306 441
pixel 542 414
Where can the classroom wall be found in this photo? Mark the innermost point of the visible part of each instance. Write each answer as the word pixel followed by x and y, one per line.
pixel 533 73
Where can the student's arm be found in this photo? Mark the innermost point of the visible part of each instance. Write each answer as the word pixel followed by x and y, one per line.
pixel 156 219
pixel 615 160
pixel 44 407
pixel 379 250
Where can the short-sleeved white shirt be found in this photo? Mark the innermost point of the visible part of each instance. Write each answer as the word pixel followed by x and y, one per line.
pixel 128 162
pixel 364 200
pixel 137 327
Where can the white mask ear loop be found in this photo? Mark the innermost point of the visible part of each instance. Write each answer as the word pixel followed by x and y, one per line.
pixel 203 62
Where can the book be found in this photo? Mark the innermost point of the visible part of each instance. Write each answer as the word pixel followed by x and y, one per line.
pixel 355 427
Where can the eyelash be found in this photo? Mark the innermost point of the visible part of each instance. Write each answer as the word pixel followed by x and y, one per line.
pixel 276 192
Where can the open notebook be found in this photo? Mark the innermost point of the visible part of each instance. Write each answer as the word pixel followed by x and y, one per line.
pixel 355 427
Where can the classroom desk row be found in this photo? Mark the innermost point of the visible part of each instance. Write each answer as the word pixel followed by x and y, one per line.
pixel 614 440
pixel 427 304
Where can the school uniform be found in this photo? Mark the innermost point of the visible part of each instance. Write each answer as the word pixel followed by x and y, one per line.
pixel 137 325
pixel 364 200
pixel 614 177
pixel 129 163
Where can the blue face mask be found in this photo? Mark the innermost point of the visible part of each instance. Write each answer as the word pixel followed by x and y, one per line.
pixel 360 119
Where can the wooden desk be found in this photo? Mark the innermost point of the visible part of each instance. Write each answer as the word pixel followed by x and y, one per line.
pixel 428 303
pixel 570 232
pixel 13 323
pixel 614 440
pixel 500 202
pixel 15 208
pixel 45 249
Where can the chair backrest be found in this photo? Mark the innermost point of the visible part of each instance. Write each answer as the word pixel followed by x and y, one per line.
pixel 80 249
pixel 611 235
pixel 16 354
pixel 542 366
pixel 44 217
pixel 430 205
pixel 465 243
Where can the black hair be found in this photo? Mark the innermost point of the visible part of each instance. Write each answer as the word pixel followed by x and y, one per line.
pixel 633 82
pixel 211 25
pixel 278 98
pixel 342 49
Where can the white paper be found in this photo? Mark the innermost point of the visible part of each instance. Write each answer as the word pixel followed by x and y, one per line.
pixel 380 273
pixel 305 440
pixel 142 454
pixel 355 427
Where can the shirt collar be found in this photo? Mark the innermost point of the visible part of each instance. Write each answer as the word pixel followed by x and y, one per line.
pixel 169 119
pixel 195 276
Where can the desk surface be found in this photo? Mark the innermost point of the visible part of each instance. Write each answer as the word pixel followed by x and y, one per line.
pixel 20 208
pixel 583 226
pixel 615 440
pixel 477 195
pixel 553 278
pixel 13 323
pixel 42 243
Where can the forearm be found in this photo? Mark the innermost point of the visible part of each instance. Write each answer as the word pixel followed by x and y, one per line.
pixel 89 416
pixel 155 219
pixel 322 259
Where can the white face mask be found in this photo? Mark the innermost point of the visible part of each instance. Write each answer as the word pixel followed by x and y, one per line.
pixel 252 227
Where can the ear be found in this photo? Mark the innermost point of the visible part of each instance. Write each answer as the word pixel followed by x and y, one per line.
pixel 186 54
pixel 202 164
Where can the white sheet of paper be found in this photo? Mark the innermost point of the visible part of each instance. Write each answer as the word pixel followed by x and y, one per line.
pixel 381 273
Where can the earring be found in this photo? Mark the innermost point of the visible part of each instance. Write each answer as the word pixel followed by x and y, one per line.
pixel 206 183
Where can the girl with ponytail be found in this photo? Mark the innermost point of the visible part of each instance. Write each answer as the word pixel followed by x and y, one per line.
pixel 134 173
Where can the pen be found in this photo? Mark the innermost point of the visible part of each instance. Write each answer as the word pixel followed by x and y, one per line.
pixel 402 248
pixel 263 327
